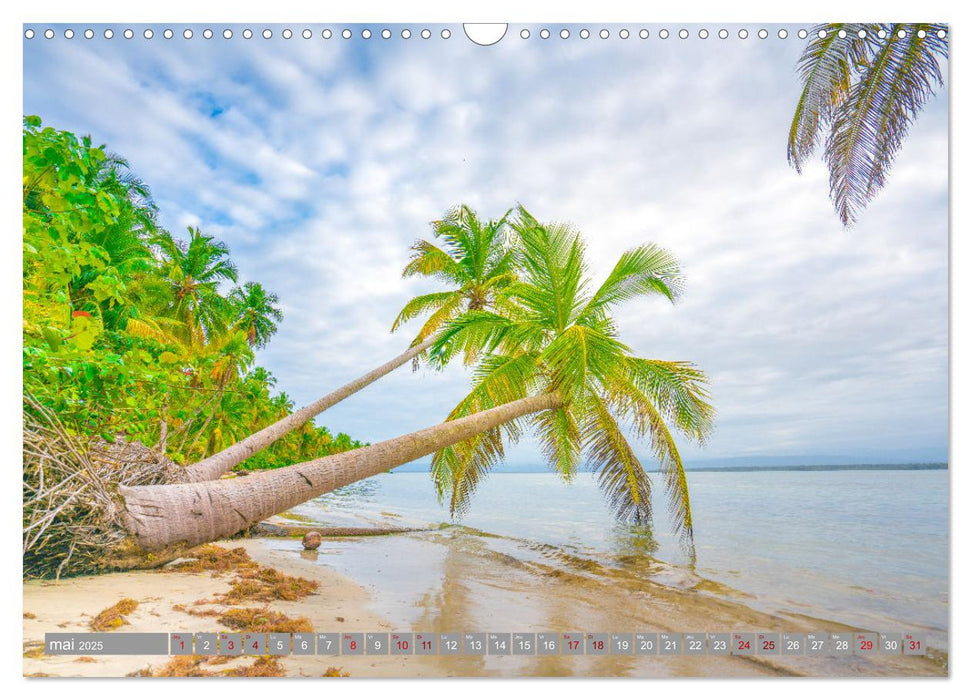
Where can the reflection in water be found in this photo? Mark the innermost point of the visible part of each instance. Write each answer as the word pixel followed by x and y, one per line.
pixel 501 596
pixel 633 541
pixel 449 609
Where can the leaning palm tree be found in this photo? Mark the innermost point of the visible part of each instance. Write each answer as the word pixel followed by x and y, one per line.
pixel 557 337
pixel 557 359
pixel 474 261
pixel 864 85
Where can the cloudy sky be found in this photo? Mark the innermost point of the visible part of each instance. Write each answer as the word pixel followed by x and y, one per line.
pixel 319 161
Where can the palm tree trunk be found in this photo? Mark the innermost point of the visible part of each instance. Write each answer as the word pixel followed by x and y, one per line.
pixel 193 513
pixel 163 432
pixel 216 465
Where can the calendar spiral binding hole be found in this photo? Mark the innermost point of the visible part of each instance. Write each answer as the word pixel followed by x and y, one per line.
pixel 564 34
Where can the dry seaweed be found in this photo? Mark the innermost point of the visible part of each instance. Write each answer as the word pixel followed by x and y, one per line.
pixel 263 620
pixel 212 557
pixel 335 672
pixel 113 617
pixel 266 584
pixel 191 667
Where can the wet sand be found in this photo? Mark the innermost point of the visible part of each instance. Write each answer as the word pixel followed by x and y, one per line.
pixel 452 581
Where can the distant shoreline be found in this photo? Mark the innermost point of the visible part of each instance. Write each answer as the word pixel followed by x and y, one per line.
pixel 930 466
pixel 923 466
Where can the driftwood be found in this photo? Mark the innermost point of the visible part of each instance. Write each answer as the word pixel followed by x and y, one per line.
pixel 267 529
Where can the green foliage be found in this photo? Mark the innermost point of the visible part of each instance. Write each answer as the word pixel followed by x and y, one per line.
pixel 551 332
pixel 475 259
pixel 125 327
pixel 866 91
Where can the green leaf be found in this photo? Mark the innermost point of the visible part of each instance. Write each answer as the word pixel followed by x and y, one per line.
pixel 53 338
pixel 84 330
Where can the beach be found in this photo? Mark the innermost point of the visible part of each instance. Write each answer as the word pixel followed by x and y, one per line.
pixel 473 588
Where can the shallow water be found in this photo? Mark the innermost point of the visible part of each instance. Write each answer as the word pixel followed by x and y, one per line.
pixel 867 549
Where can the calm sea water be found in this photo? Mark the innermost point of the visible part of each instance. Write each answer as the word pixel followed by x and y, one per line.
pixel 866 548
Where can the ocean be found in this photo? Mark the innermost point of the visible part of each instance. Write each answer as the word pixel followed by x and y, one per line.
pixel 863 548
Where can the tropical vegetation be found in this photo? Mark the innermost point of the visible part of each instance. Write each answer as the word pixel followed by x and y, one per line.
pixel 130 330
pixel 475 259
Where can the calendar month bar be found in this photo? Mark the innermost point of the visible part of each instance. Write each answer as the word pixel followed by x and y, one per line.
pixel 486 643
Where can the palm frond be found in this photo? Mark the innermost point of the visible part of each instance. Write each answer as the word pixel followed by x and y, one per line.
pixel 428 260
pixel 647 421
pixel 552 260
pixel 640 271
pixel 619 473
pixel 579 353
pixel 559 438
pixel 483 329
pixel 825 69
pixel 420 305
pixel 450 309
pixel 679 390
pixel 870 125
pixel 150 330
pixel 458 470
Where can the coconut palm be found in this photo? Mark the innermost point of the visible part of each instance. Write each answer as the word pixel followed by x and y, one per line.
pixel 864 86
pixel 475 261
pixel 556 358
pixel 556 336
pixel 194 270
pixel 257 312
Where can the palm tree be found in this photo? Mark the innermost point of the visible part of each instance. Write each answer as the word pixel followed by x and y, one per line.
pixel 475 261
pixel 557 336
pixel 194 271
pixel 257 312
pixel 864 84
pixel 557 358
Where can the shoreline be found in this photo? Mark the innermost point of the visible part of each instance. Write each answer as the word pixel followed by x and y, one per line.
pixel 465 587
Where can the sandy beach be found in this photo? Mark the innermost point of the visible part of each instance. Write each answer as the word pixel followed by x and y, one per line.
pixel 469 587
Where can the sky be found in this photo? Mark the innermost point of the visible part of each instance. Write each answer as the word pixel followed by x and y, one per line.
pixel 319 161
